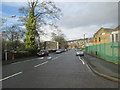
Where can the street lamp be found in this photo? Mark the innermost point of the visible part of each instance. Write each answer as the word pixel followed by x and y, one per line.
pixel 6 42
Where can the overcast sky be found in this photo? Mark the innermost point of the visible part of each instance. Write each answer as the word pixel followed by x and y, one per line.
pixel 78 18
pixel 81 18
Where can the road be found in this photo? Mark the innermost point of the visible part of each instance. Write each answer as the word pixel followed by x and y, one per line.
pixel 63 70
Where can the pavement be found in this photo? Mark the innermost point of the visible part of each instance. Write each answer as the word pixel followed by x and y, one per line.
pixel 65 70
pixel 103 68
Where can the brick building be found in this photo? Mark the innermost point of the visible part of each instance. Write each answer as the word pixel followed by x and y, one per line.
pixel 102 36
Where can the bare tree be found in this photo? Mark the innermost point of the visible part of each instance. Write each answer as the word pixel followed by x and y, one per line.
pixel 38 14
pixel 13 34
pixel 59 37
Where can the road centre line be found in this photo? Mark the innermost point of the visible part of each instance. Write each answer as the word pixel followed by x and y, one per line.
pixel 10 76
pixel 49 58
pixel 56 57
pixel 81 60
pixel 41 58
pixel 41 64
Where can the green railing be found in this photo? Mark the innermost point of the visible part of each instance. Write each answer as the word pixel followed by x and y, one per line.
pixel 108 51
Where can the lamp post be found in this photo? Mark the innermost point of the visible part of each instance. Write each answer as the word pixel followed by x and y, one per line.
pixel 6 55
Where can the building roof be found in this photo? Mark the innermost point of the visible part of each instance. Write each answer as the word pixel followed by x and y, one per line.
pixel 117 28
pixel 106 29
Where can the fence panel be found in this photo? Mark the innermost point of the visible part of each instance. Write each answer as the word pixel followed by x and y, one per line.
pixel 108 51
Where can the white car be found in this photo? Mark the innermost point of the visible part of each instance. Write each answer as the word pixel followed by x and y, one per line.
pixel 79 53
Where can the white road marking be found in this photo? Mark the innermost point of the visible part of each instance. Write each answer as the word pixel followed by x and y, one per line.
pixel 59 56
pixel 41 64
pixel 10 76
pixel 41 58
pixel 49 57
pixel 54 58
pixel 81 60
pixel 87 65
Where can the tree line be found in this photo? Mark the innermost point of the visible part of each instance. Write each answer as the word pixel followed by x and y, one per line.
pixel 35 15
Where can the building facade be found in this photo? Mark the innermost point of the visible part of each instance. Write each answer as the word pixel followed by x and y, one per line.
pixel 102 36
pixel 115 35
pixel 76 43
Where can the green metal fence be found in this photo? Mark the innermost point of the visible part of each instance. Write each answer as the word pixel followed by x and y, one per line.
pixel 108 51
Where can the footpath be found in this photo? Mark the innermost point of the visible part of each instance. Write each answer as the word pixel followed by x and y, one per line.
pixel 103 68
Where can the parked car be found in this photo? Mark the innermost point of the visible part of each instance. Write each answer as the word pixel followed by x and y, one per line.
pixel 79 52
pixel 58 51
pixel 43 53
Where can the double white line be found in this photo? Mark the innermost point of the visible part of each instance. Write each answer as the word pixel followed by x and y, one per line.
pixel 81 60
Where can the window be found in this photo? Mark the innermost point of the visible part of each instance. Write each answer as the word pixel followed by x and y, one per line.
pixel 95 39
pixel 99 39
pixel 116 37
pixel 112 37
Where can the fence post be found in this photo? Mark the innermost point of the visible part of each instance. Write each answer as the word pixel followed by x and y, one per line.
pixel 112 46
pixel 104 50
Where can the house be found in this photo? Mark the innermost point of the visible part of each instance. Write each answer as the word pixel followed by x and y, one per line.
pixel 102 36
pixel 78 43
pixel 115 35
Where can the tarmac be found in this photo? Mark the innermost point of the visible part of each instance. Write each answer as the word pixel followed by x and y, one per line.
pixel 103 68
pixel 99 66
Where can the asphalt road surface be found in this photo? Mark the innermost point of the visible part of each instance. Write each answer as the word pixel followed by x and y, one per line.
pixel 65 70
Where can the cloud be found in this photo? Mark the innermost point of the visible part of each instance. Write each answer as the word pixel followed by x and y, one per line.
pixel 14 4
pixel 83 17
pixel 11 21
pixel 14 0
pixel 87 17
pixel 67 0
pixel 78 32
pixel 85 14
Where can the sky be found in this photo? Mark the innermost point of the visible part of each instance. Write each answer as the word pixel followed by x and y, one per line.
pixel 78 18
